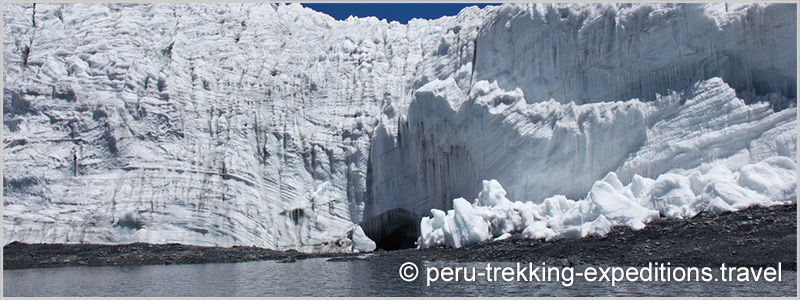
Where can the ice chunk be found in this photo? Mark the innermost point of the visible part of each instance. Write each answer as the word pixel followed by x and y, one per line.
pixel 773 177
pixel 618 208
pixel 492 194
pixel 538 230
pixel 503 236
pixel 471 228
pixel 599 227
pixel 670 194
pixel 361 243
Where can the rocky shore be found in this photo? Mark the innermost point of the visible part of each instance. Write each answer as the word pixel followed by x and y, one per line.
pixel 19 255
pixel 758 236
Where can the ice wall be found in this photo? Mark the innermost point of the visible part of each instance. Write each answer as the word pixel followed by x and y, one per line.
pixel 537 150
pixel 554 114
pixel 277 126
pixel 203 124
pixel 444 151
pixel 575 53
pixel 206 124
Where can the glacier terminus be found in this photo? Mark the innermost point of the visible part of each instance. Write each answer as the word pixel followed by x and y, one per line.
pixel 280 127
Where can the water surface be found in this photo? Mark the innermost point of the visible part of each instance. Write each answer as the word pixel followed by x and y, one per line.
pixel 318 277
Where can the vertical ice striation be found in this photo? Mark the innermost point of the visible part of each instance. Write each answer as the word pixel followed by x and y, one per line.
pixel 575 53
pixel 280 127
pixel 443 151
pixel 205 124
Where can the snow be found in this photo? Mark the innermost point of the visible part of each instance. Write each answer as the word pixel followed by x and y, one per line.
pixel 280 127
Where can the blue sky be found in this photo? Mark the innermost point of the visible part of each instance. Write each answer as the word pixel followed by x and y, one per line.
pixel 401 12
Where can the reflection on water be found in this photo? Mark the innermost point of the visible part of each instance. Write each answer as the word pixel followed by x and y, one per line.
pixel 318 277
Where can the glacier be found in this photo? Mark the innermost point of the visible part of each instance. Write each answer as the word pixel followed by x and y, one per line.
pixel 280 127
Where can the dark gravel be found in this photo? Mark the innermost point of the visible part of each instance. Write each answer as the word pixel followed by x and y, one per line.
pixel 758 236
pixel 18 255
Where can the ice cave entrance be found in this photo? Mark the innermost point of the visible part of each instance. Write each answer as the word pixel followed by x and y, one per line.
pixel 393 229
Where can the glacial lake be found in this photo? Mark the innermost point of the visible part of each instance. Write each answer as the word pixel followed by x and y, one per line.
pixel 319 277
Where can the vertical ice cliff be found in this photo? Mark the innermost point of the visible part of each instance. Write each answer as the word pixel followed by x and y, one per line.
pixel 277 126
pixel 204 124
pixel 545 115
pixel 577 52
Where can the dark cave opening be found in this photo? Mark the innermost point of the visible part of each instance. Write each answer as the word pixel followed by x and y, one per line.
pixel 393 229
